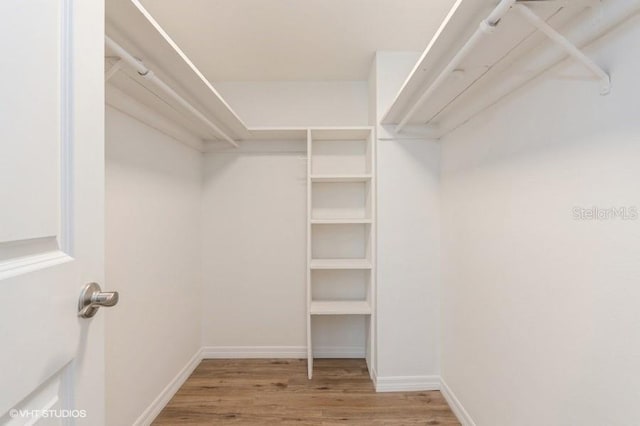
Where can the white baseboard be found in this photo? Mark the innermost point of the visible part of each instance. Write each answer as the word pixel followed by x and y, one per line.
pixel 407 383
pixel 213 352
pixel 372 374
pixel 152 411
pixel 456 406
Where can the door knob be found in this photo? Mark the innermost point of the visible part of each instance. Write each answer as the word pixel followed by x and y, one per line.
pixel 92 297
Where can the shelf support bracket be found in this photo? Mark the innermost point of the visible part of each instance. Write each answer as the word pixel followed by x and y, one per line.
pixel 567 45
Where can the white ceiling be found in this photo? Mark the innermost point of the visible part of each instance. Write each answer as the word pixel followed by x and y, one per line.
pixel 283 40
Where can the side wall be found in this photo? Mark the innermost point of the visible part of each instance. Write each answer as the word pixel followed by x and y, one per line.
pixel 153 190
pixel 408 243
pixel 540 308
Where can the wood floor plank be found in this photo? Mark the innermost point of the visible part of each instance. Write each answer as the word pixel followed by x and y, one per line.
pixel 277 391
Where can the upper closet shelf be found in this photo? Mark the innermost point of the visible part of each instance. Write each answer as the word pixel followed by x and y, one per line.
pixel 486 49
pixel 144 65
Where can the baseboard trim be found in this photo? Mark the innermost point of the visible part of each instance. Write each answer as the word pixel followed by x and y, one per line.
pixel 152 411
pixel 217 352
pixel 407 383
pixel 456 406
pixel 373 375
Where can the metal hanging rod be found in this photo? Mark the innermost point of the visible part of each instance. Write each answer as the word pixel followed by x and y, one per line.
pixel 146 73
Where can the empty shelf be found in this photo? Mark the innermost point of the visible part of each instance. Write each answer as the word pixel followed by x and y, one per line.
pixel 340 307
pixel 340 178
pixel 340 221
pixel 340 264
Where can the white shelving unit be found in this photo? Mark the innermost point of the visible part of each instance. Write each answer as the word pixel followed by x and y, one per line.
pixel 341 228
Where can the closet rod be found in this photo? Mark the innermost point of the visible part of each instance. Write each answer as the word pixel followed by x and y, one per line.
pixel 486 27
pixel 150 76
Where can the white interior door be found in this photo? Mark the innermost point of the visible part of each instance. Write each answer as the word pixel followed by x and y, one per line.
pixel 51 210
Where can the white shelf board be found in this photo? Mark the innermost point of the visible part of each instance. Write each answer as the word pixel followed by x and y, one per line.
pixel 129 24
pixel 340 264
pixel 340 307
pixel 341 221
pixel 341 178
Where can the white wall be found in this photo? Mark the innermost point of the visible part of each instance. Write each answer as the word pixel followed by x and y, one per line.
pixel 408 240
pixel 291 104
pixel 540 311
pixel 153 189
pixel 254 246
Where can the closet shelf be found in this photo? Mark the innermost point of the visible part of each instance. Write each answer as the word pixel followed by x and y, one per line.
pixel 176 97
pixel 340 307
pixel 340 178
pixel 340 264
pixel 470 65
pixel 341 221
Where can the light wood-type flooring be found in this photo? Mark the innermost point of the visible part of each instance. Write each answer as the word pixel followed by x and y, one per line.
pixel 277 391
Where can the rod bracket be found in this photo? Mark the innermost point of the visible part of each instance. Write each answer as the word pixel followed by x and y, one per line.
pixel 487 28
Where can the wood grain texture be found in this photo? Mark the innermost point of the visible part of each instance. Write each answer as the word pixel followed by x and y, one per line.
pixel 277 391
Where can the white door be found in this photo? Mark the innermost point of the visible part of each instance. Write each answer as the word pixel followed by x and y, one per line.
pixel 51 210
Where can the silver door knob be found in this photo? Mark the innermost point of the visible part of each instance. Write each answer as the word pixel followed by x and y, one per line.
pixel 92 297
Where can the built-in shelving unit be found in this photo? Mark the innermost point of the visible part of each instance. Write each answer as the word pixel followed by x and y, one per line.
pixel 486 49
pixel 341 228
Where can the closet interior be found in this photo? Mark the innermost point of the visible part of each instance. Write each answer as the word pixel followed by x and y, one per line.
pixel 377 218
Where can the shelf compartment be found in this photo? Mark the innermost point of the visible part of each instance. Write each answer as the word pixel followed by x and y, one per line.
pixel 344 200
pixel 345 284
pixel 340 264
pixel 341 152
pixel 340 307
pixel 341 241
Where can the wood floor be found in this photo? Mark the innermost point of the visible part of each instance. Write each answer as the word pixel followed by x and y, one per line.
pixel 277 391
